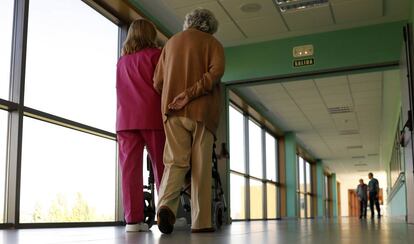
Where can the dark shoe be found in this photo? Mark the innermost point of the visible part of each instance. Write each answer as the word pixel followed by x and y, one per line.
pixel 204 230
pixel 360 216
pixel 165 220
pixel 379 216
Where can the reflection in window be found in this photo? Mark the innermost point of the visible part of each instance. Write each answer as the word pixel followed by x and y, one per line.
pixel 308 178
pixel 308 206
pixel 6 28
pixel 67 176
pixel 301 175
pixel 256 199
pixel 237 150
pixel 302 205
pixel 3 148
pixel 271 201
pixel 270 157
pixel 71 62
pixel 238 197
pixel 255 150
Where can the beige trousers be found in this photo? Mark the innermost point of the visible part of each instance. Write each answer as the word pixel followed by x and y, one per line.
pixel 188 141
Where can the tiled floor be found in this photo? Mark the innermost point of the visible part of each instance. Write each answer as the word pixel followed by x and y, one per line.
pixel 343 230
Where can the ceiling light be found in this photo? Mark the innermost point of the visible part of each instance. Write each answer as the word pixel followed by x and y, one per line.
pixel 360 164
pixel 288 5
pixel 348 132
pixel 340 109
pixel 355 147
pixel 358 157
pixel 250 7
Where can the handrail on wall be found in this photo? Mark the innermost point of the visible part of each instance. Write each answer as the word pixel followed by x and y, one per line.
pixel 397 185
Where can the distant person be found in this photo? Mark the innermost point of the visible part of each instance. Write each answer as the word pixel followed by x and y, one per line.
pixel 373 189
pixel 139 121
pixel 188 76
pixel 361 191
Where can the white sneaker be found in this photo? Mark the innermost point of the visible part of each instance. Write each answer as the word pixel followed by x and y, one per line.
pixel 136 227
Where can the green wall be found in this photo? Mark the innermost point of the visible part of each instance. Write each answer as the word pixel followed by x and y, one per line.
pixel 333 50
pixel 320 189
pixel 291 184
pixel 334 195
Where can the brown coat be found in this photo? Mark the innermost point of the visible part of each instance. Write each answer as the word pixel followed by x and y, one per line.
pixel 191 61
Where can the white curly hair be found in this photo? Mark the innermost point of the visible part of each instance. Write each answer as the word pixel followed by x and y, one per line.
pixel 201 19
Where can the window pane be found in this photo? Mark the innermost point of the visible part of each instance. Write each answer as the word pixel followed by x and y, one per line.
pixel 256 199
pixel 3 147
pixel 301 175
pixel 71 62
pixel 271 201
pixel 67 176
pixel 255 150
pixel 308 178
pixel 238 196
pixel 309 206
pixel 270 157
pixel 302 205
pixel 236 123
pixel 6 28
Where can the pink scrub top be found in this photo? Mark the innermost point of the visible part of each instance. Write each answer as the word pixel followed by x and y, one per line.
pixel 138 104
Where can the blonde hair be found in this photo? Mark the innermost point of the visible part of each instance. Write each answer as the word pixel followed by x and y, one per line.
pixel 141 34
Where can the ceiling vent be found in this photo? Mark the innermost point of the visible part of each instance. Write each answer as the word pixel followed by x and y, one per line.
pixel 358 157
pixel 354 147
pixel 362 170
pixel 348 132
pixel 372 154
pixel 340 110
pixel 361 164
pixel 250 7
pixel 291 5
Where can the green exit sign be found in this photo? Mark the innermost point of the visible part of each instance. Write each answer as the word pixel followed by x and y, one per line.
pixel 303 62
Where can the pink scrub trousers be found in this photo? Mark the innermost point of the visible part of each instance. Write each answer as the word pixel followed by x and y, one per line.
pixel 131 147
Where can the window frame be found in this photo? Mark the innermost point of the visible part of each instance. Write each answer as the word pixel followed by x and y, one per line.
pixel 249 177
pixel 17 111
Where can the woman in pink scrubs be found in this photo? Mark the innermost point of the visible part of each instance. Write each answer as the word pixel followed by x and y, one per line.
pixel 139 121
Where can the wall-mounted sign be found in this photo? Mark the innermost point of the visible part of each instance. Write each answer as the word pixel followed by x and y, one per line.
pixel 303 51
pixel 303 62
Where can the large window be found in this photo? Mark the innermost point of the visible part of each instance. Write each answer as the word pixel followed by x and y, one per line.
pixel 256 190
pixel 255 150
pixel 238 196
pixel 236 121
pixel 71 62
pixel 304 188
pixel 327 197
pixel 3 147
pixel 6 25
pixel 67 176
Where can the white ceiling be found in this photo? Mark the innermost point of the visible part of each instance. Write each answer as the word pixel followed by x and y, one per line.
pixel 238 27
pixel 341 140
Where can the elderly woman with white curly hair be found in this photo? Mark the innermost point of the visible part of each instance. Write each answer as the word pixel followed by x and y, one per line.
pixel 187 77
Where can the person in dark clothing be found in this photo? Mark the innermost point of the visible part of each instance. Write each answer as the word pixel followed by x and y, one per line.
pixel 361 192
pixel 373 189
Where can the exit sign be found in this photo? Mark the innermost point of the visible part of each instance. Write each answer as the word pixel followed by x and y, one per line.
pixel 303 62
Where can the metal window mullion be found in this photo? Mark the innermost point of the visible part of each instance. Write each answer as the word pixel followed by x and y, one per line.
pixel 278 200
pixel 15 126
pixel 264 175
pixel 305 191
pixel 119 210
pixel 247 165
